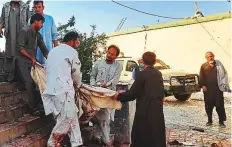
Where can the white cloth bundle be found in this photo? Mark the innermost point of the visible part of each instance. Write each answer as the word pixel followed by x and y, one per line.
pixel 89 99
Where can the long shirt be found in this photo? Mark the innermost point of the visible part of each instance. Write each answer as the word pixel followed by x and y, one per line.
pixel 110 73
pixel 29 39
pixel 62 71
pixel 208 75
pixel 49 34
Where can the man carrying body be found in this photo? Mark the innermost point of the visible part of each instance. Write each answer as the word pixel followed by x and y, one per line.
pixel 48 31
pixel 214 81
pixel 62 71
pixel 106 73
pixel 28 40
pixel 14 17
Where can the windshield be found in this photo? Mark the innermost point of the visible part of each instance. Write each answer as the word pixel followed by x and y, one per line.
pixel 160 66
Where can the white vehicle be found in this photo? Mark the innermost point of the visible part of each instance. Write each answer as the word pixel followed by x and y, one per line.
pixel 177 83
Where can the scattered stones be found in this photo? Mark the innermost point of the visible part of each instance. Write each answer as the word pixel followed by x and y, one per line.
pixel 186 122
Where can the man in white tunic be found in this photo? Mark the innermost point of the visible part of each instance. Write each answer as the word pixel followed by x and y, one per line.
pixel 106 73
pixel 62 71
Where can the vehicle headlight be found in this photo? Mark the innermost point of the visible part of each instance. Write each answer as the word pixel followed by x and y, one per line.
pixel 196 80
pixel 175 82
pixel 165 78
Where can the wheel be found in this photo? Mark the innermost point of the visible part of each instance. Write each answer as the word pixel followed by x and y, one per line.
pixel 182 97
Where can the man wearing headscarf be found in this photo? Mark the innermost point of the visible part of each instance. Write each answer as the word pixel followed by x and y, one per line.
pixel 214 81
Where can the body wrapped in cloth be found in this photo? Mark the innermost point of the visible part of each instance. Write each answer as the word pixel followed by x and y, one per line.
pixel 89 99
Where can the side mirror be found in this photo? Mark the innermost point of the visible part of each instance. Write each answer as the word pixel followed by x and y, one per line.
pixel 131 70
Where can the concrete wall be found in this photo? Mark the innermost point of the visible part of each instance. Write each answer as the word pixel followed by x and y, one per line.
pixel 182 47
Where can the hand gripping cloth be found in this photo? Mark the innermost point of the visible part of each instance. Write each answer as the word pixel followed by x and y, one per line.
pixel 89 99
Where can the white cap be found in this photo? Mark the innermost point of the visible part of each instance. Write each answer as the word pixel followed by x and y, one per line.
pixel 140 58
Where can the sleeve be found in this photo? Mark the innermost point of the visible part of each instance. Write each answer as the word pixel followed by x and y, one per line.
pixel 54 30
pixel 93 74
pixel 76 70
pixel 22 39
pixel 2 19
pixel 115 80
pixel 42 45
pixel 28 23
pixel 134 91
pixel 201 77
pixel 28 13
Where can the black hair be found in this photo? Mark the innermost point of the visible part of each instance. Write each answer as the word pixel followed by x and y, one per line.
pixel 71 36
pixel 115 47
pixel 36 17
pixel 37 2
pixel 149 58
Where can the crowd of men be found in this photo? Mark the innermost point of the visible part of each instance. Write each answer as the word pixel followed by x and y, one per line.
pixel 31 39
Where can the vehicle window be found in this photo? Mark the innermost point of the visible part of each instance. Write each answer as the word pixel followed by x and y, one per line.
pixel 130 66
pixel 160 66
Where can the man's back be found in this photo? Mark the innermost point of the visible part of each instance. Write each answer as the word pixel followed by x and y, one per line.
pixel 58 69
pixel 153 82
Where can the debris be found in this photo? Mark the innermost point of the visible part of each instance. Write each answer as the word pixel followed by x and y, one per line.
pixel 214 145
pixel 26 115
pixel 90 124
pixel 198 129
pixel 188 143
pixel 202 141
pixel 175 142
pixel 221 143
pixel 197 99
pixel 96 140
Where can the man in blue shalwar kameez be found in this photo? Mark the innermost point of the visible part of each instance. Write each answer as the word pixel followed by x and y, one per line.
pixel 48 31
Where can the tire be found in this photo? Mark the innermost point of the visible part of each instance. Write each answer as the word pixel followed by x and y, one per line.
pixel 182 97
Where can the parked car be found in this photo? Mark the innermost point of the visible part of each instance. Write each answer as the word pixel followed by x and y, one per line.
pixel 178 83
